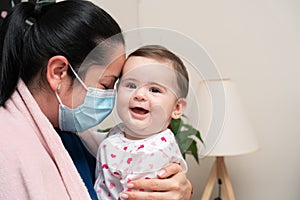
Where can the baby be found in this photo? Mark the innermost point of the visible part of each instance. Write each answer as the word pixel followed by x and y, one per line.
pixel 152 91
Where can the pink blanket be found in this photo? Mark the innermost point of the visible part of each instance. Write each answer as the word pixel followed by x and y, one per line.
pixel 33 161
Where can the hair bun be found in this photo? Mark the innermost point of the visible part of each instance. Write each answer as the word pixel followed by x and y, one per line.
pixel 39 5
pixel 37 10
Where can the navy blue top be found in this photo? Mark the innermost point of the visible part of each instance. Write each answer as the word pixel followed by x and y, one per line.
pixel 84 162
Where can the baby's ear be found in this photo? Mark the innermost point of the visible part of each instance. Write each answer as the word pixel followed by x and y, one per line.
pixel 179 108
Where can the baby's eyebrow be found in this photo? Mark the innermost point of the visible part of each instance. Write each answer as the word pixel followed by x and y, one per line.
pixel 148 83
pixel 155 83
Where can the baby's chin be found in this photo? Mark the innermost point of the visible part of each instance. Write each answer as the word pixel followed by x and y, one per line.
pixel 139 133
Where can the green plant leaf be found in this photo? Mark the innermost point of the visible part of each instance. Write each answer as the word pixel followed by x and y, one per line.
pixel 182 131
pixel 194 150
pixel 175 125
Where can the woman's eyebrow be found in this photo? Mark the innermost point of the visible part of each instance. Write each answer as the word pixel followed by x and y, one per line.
pixel 112 76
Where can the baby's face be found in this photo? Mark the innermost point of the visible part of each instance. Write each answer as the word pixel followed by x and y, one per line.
pixel 146 96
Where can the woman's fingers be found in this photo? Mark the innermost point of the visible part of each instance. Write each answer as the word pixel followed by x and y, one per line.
pixel 169 170
pixel 152 196
pixel 177 187
pixel 154 185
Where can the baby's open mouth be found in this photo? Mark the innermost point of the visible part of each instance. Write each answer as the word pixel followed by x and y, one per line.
pixel 139 110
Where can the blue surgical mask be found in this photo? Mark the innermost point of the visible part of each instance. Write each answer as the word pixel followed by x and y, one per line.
pixel 97 105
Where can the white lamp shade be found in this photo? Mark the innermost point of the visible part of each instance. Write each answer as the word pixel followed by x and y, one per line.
pixel 223 122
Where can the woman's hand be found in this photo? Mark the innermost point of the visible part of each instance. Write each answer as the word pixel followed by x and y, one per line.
pixel 172 184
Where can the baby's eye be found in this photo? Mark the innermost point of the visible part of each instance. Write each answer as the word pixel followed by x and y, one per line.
pixel 155 90
pixel 130 85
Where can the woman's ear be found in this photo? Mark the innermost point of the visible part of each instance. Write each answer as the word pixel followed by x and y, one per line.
pixel 179 108
pixel 57 68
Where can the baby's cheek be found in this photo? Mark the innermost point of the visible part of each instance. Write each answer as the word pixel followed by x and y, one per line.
pixel 160 116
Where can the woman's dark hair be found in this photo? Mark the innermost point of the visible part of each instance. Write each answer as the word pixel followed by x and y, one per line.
pixel 34 32
pixel 158 52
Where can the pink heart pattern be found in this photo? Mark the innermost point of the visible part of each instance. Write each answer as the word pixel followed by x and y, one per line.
pixel 122 158
pixel 104 166
pixel 163 139
pixel 129 161
pixel 140 147
pixel 113 155
pixel 112 185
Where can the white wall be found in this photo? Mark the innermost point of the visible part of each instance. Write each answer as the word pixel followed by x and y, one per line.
pixel 124 12
pixel 257 44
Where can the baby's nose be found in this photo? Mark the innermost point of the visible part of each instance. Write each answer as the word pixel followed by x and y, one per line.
pixel 140 94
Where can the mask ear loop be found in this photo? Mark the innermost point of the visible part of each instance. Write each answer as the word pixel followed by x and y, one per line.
pixel 57 96
pixel 76 75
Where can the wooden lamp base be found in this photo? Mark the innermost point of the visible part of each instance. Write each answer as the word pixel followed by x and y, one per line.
pixel 218 171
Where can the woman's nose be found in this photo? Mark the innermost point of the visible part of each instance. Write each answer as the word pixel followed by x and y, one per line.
pixel 139 94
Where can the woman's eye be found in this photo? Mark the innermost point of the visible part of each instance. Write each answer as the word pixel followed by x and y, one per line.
pixel 131 85
pixel 105 86
pixel 155 90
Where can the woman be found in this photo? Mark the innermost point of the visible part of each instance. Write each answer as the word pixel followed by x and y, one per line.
pixel 44 98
